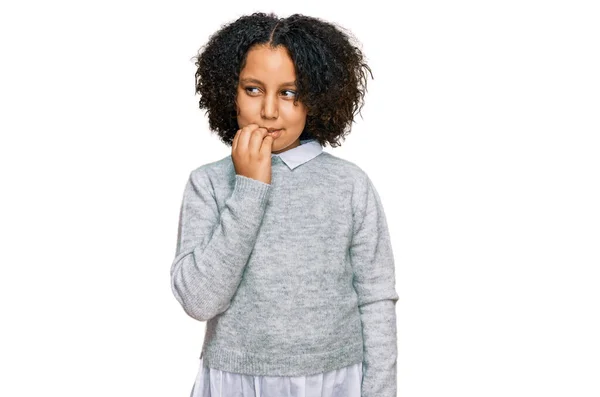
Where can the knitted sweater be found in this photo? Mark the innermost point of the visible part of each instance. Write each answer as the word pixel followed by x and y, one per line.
pixel 295 277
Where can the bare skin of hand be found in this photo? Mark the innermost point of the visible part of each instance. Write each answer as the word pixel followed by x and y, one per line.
pixel 251 152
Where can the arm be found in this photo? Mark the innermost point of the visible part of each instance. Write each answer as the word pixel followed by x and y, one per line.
pixel 374 281
pixel 212 248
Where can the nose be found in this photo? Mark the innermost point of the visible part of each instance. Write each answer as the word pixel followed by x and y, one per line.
pixel 270 107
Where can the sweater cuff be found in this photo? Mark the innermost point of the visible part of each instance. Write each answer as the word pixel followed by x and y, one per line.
pixel 250 188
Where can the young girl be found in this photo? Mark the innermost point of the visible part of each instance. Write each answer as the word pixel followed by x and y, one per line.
pixel 284 248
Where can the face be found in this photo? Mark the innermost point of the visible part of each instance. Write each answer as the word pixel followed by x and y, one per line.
pixel 265 96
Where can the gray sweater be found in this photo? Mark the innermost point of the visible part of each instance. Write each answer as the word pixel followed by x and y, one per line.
pixel 293 278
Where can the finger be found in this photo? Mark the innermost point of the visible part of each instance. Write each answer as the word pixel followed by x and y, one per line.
pixel 245 134
pixel 267 145
pixel 256 139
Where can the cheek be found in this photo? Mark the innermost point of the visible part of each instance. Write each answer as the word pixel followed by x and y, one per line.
pixel 248 108
pixel 294 114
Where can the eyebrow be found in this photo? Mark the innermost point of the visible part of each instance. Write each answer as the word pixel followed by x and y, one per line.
pixel 251 80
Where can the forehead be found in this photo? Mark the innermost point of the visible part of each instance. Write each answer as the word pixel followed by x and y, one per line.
pixel 269 65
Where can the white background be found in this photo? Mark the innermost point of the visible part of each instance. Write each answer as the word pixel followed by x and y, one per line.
pixel 480 131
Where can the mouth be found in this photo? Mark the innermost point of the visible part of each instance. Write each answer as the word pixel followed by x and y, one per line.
pixel 275 133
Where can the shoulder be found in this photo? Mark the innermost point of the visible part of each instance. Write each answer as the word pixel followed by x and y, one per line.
pixel 359 184
pixel 212 171
pixel 344 170
pixel 337 164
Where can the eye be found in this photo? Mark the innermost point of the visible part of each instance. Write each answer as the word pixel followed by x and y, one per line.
pixel 286 93
pixel 250 88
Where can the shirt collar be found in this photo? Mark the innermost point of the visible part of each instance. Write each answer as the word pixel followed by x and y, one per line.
pixel 307 150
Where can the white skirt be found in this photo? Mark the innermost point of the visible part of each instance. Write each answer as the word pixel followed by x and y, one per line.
pixel 343 382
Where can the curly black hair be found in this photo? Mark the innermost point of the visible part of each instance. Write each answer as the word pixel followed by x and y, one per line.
pixel 331 75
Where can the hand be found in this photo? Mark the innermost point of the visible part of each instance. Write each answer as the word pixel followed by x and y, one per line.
pixel 251 152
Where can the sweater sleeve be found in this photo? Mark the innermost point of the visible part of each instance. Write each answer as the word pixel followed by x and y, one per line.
pixel 374 281
pixel 214 246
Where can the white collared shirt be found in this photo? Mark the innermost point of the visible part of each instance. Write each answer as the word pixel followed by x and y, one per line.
pixel 307 150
